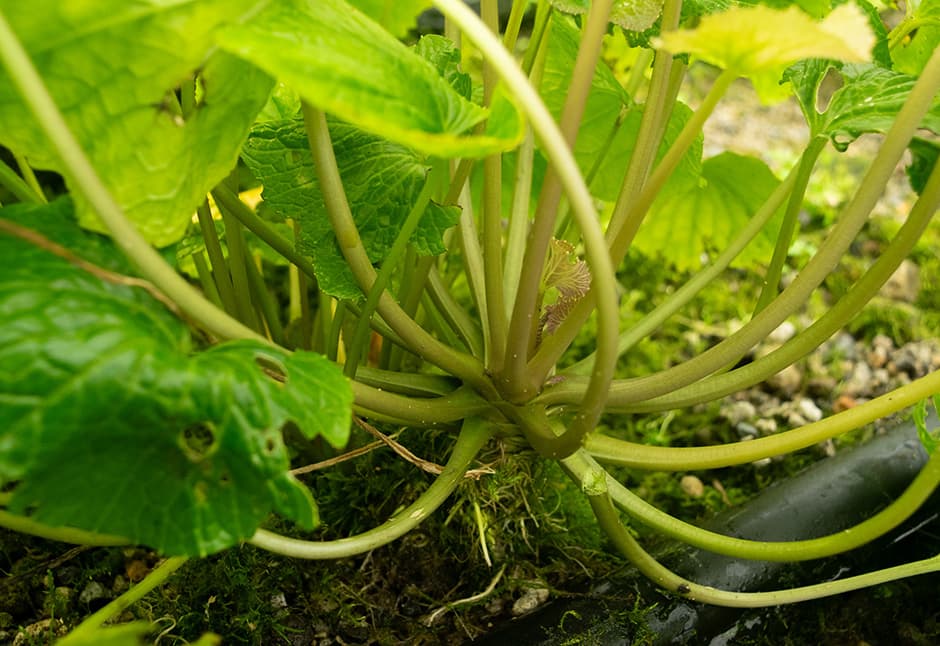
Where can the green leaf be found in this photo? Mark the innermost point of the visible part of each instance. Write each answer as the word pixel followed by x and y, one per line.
pixel 925 154
pixel 349 66
pixel 397 16
pixel 759 42
pixel 108 423
pixel 683 225
pixel 382 182
pixel 445 57
pixel 920 415
pixel 633 15
pixel 609 175
pixel 110 66
pixel 913 52
pixel 868 101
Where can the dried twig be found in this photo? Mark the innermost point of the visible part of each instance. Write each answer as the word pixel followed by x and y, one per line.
pixel 429 621
pixel 421 463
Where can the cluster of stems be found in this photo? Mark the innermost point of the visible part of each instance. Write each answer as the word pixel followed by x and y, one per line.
pixel 493 367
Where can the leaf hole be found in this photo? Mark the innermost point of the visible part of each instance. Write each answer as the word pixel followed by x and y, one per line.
pixel 198 441
pixel 829 85
pixel 274 369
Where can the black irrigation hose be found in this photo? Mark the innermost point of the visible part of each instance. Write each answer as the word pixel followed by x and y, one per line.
pixel 829 496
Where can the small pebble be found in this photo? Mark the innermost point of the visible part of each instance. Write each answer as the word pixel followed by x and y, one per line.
pixel 766 425
pixel 532 599
pixel 92 592
pixel 783 333
pixel 739 411
pixel 843 402
pixel 809 410
pixel 745 430
pixel 787 381
pixel 692 486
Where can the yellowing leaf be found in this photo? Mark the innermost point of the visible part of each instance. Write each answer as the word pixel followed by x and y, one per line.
pixel 759 42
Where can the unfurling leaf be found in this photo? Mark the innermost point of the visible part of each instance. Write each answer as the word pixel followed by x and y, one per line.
pixel 569 276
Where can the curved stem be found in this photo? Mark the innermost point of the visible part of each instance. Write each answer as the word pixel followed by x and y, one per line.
pixel 419 411
pixel 86 629
pixel 65 534
pixel 581 465
pixel 474 434
pixel 640 456
pixel 82 176
pixel 563 162
pixel 609 520
pixel 420 342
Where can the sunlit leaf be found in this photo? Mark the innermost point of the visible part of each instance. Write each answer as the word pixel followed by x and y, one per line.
pixel 684 225
pixel 346 64
pixel 111 67
pixel 397 16
pixel 759 42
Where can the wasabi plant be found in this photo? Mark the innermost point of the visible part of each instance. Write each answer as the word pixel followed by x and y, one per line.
pixel 151 375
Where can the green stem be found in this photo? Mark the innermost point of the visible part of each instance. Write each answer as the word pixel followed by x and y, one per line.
pixel 29 177
pixel 656 113
pixel 21 190
pixel 917 492
pixel 638 72
pixel 790 220
pixel 29 526
pixel 86 629
pixel 493 218
pixel 79 170
pixel 523 325
pixel 419 341
pixel 609 520
pixel 630 454
pixel 540 26
pixel 636 210
pixel 357 349
pixel 209 288
pixel 231 203
pixel 220 272
pixel 335 328
pixel 472 259
pixel 458 319
pixel 415 384
pixel 261 295
pixel 238 258
pixel 474 434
